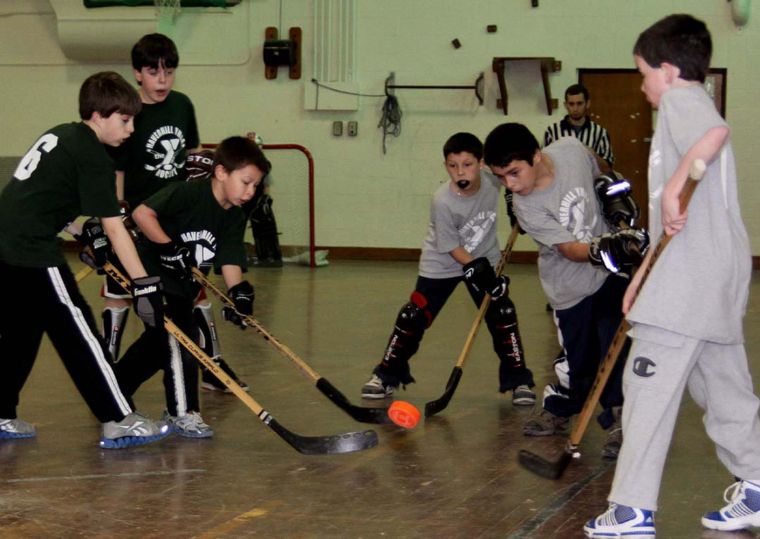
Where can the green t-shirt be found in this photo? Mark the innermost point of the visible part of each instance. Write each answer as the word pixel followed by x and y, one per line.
pixel 155 153
pixel 190 215
pixel 66 173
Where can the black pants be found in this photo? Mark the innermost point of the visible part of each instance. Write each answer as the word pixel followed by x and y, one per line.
pixel 47 301
pixel 587 331
pixel 157 350
pixel 438 291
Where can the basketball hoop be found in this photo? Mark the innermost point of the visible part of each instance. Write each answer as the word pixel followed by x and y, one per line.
pixel 166 14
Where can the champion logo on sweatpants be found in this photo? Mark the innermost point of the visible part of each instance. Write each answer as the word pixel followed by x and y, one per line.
pixel 641 367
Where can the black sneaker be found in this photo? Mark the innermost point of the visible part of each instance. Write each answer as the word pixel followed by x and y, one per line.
pixel 212 383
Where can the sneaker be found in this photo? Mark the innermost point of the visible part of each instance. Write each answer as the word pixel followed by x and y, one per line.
pixel 545 424
pixel 621 521
pixel 614 440
pixel 135 429
pixel 212 383
pixel 742 511
pixel 522 395
pixel 16 428
pixel 375 388
pixel 190 425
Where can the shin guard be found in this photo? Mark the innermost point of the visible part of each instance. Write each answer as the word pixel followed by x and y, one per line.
pixel 204 317
pixel 114 320
pixel 411 322
pixel 501 319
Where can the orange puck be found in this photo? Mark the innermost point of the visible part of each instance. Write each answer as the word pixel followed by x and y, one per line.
pixel 404 414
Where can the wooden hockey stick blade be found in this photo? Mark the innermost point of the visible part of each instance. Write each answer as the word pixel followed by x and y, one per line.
pixel 308 445
pixel 361 414
pixel 544 467
pixel 433 407
pixel 82 274
pixel 555 469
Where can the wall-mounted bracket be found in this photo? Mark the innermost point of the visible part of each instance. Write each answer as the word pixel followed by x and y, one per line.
pixel 477 87
pixel 547 65
pixel 282 52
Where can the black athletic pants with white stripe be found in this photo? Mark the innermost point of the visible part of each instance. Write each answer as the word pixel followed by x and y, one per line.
pixel 41 301
pixel 157 350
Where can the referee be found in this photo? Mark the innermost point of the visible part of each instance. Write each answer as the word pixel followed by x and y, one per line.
pixel 577 124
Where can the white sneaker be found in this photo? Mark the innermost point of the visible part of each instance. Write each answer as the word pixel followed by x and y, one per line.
pixel 190 425
pixel 742 511
pixel 522 395
pixel 621 521
pixel 16 428
pixel 375 388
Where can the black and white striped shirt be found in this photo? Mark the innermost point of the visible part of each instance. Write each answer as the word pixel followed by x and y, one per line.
pixel 591 134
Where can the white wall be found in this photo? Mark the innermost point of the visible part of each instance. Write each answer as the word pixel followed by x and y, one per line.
pixel 365 198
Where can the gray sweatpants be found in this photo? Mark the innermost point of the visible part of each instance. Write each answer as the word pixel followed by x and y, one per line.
pixel 659 366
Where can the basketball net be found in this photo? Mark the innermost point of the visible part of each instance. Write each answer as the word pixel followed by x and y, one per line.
pixel 166 14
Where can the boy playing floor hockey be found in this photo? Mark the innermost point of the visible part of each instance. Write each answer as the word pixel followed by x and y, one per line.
pixel 687 318
pixel 68 173
pixel 192 224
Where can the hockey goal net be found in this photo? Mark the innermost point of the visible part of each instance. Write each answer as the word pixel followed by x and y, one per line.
pixel 291 187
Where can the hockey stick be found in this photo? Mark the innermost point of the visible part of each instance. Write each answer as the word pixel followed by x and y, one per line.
pixel 82 273
pixel 554 469
pixel 359 413
pixel 308 445
pixel 435 406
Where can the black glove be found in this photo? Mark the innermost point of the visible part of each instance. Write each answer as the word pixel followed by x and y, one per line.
pixel 243 295
pixel 95 242
pixel 511 212
pixel 200 165
pixel 621 251
pixel 148 299
pixel 479 276
pixel 616 200
pixel 177 259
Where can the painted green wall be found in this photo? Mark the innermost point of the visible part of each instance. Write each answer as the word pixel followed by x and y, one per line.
pixel 365 198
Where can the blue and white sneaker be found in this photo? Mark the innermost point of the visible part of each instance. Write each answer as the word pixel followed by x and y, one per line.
pixel 135 429
pixel 189 425
pixel 11 429
pixel 621 521
pixel 742 511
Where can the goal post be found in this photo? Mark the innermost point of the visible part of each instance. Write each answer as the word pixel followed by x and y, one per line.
pixel 292 191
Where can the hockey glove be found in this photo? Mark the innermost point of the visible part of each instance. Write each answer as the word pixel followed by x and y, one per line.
pixel 177 259
pixel 148 299
pixel 200 165
pixel 242 295
pixel 479 276
pixel 619 252
pixel 511 211
pixel 95 243
pixel 618 205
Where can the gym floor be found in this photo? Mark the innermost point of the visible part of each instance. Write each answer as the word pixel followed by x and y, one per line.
pixel 454 476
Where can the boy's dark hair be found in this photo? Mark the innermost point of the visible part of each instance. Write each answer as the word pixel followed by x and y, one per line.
pixel 238 152
pixel 463 142
pixel 107 92
pixel 153 49
pixel 680 40
pixel 509 142
pixel 576 89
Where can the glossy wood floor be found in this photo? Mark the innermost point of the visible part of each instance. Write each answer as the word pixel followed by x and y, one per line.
pixel 454 476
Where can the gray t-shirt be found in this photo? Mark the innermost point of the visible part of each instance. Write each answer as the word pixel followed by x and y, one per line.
pixel 566 211
pixel 700 284
pixel 469 222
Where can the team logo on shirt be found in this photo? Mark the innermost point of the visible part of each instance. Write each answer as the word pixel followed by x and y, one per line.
pixel 202 244
pixel 165 146
pixel 573 211
pixel 473 232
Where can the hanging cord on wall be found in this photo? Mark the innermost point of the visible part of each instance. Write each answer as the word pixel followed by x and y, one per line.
pixel 390 121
